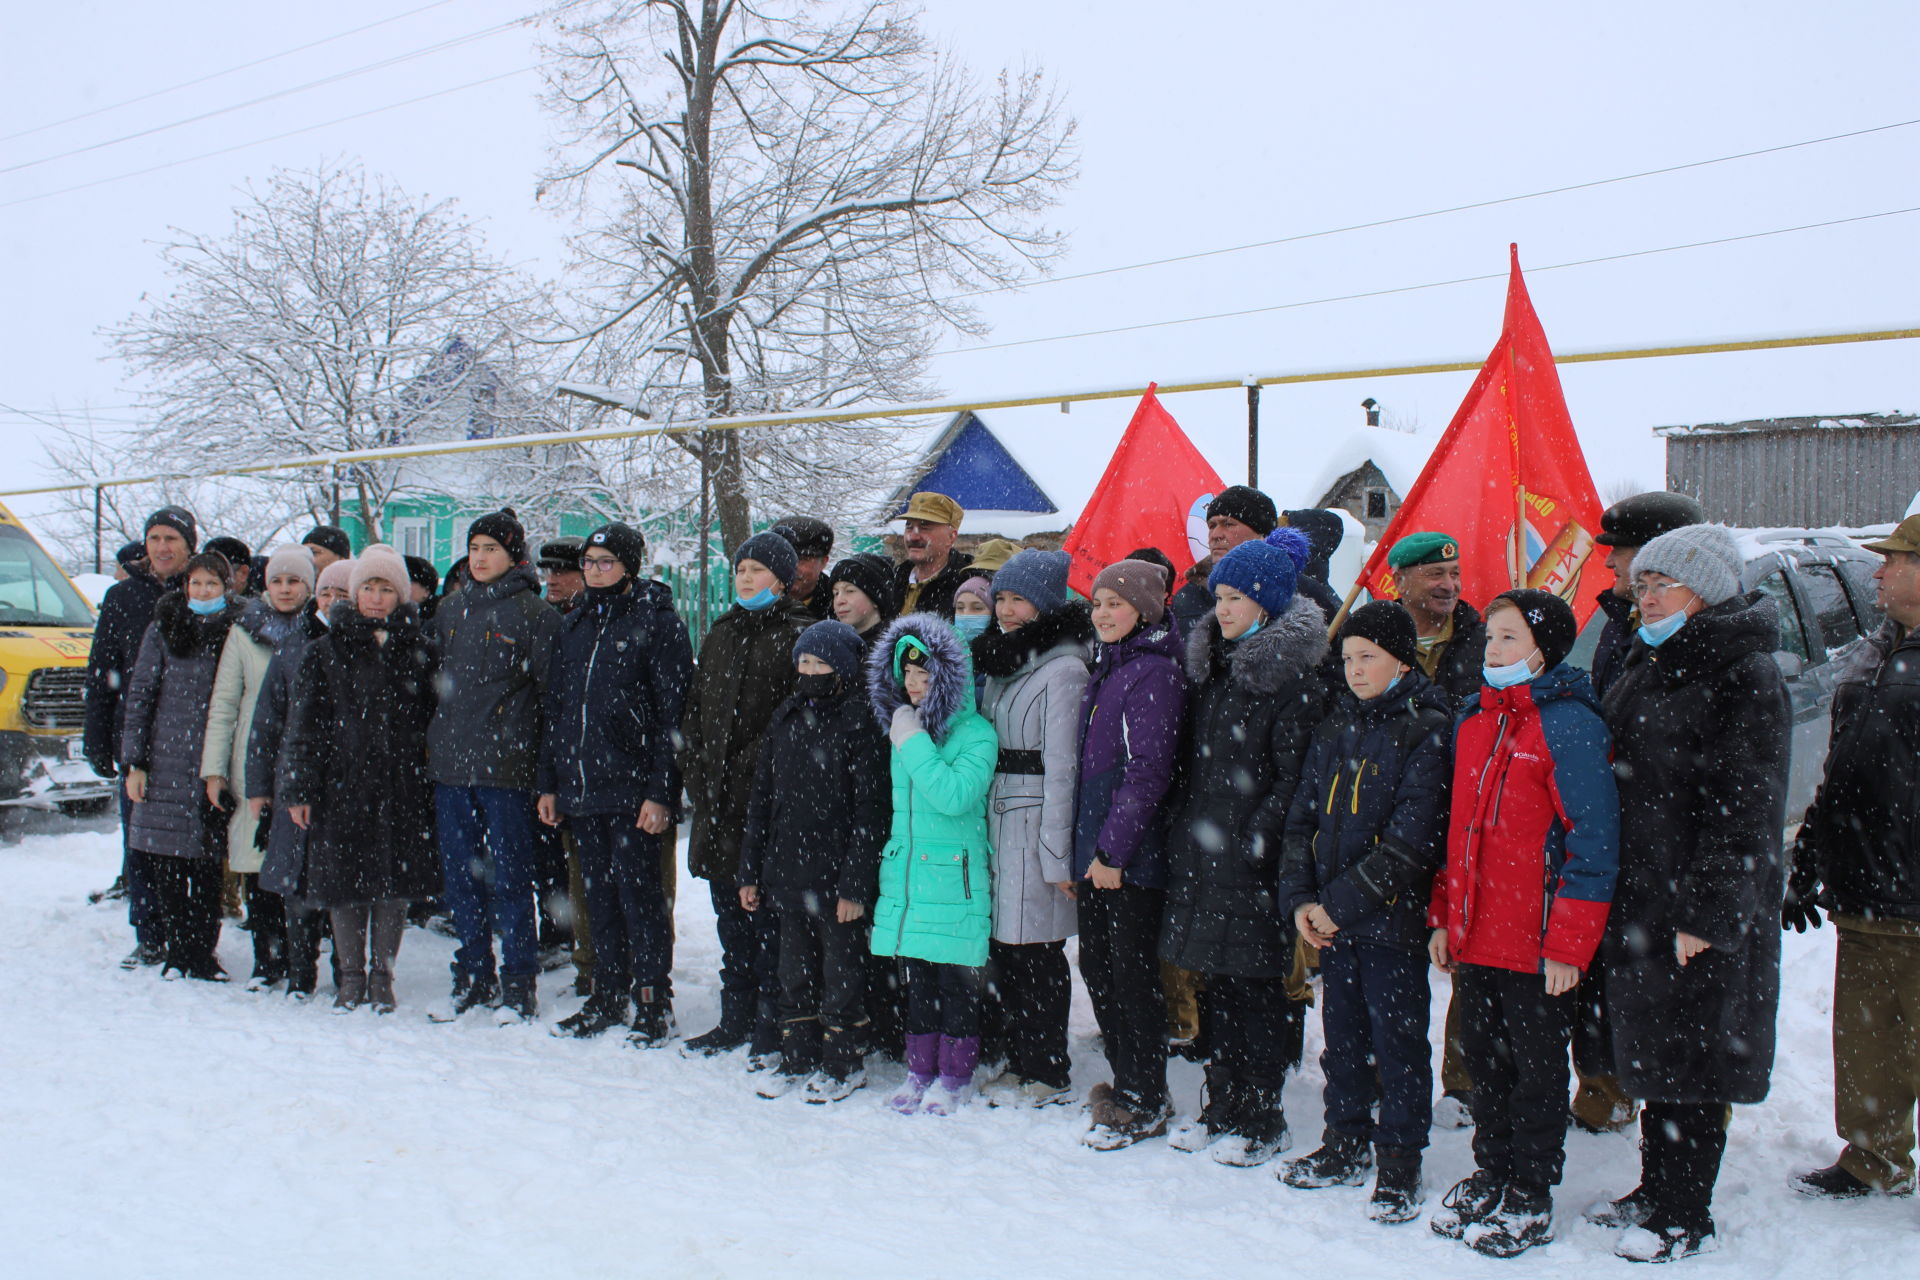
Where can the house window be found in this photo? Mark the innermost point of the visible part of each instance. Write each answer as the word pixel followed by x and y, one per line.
pixel 1376 504
pixel 413 535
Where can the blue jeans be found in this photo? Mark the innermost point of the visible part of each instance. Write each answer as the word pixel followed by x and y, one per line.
pixel 620 869
pixel 1374 1013
pixel 486 855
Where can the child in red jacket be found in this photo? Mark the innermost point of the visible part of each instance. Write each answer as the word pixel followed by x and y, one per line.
pixel 1518 912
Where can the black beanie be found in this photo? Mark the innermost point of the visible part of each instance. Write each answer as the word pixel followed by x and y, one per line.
pixel 504 528
pixel 624 542
pixel 1387 624
pixel 810 537
pixel 421 573
pixel 236 551
pixel 1250 507
pixel 873 575
pixel 329 537
pixel 1549 618
pixel 178 519
pixel 131 552
pixel 773 551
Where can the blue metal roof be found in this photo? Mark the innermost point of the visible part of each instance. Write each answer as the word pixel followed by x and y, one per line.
pixel 971 466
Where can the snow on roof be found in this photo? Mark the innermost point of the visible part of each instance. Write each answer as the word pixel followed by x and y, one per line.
pixel 1833 422
pixel 1322 460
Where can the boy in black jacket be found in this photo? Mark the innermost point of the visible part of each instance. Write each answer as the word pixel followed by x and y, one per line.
pixel 816 821
pixel 1365 834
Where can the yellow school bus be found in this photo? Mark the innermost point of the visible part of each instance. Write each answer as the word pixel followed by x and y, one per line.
pixel 46 632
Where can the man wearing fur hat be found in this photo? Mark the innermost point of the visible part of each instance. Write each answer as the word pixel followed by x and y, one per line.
pixel 495 639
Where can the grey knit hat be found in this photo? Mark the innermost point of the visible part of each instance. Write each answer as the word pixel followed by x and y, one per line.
pixel 1704 557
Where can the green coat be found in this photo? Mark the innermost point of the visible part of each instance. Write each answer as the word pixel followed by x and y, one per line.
pixel 936 890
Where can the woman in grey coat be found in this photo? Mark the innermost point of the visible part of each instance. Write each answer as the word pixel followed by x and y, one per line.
pixel 172 826
pixel 1034 662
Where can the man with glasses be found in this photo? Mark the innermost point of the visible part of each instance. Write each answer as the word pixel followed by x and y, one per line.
pixel 1625 527
pixel 616 686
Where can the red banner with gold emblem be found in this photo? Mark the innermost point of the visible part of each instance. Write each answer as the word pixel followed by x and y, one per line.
pixel 1508 481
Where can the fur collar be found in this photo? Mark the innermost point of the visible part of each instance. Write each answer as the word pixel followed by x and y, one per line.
pixel 188 634
pixel 1004 653
pixel 272 628
pixel 1287 648
pixel 951 690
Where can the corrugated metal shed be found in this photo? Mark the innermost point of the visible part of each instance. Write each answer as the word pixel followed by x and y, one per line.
pixel 1847 470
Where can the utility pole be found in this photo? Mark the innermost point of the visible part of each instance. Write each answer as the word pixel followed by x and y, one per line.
pixel 1253 432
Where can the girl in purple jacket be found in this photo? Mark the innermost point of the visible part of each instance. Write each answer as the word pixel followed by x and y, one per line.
pixel 1130 732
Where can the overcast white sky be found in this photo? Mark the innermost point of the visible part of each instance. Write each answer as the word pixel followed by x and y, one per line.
pixel 1265 119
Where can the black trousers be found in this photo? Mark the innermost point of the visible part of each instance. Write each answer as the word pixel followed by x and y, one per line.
pixel 1516 1038
pixel 187 902
pixel 823 966
pixel 1681 1145
pixel 1247 1019
pixel 1378 1060
pixel 1120 962
pixel 943 999
pixel 267 921
pixel 550 883
pixel 1035 986
pixel 749 957
pixel 626 904
pixel 305 923
pixel 886 1001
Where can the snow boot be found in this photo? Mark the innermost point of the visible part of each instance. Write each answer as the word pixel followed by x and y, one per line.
pixel 763 1048
pixel 351 992
pixel 1630 1210
pixel 519 1002
pixel 1217 1114
pixel 1830 1183
pixel 1342 1161
pixel 735 1028
pixel 1469 1201
pixel 383 948
pixel 652 1019
pixel 1120 1122
pixel 1666 1241
pixel 143 955
pixel 800 1045
pixel 831 1085
pixel 923 1064
pixel 781 1081
pixel 959 1055
pixel 1396 1185
pixel 602 1010
pixel 468 993
pixel 1523 1221
pixel 1259 1131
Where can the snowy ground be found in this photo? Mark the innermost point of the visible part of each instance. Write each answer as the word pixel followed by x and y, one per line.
pixel 171 1129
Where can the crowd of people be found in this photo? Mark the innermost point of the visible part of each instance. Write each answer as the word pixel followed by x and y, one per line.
pixel 908 785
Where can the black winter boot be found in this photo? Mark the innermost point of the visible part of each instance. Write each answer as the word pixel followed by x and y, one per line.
pixel 1259 1131
pixel 652 1019
pixel 763 1050
pixel 1470 1200
pixel 1218 1112
pixel 1523 1221
pixel 519 1002
pixel 1396 1187
pixel 602 1010
pixel 1342 1161
pixel 736 1025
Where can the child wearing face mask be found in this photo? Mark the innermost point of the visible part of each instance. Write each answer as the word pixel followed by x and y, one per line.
pixel 1517 914
pixel 1365 833
pixel 815 824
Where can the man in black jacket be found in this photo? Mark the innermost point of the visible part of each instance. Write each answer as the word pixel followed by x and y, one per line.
pixel 813 546
pixel 1237 514
pixel 495 640
pixel 171 537
pixel 1858 856
pixel 616 687
pixel 933 570
pixel 1625 527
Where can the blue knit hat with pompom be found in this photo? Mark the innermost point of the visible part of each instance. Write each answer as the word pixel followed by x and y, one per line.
pixel 1262 572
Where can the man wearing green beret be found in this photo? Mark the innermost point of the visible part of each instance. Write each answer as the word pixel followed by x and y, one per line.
pixel 1453 640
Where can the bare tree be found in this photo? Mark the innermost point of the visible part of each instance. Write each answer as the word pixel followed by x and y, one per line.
pixel 337 313
pixel 778 202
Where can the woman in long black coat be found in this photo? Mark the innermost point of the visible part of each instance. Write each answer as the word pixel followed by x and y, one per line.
pixel 1700 726
pixel 181 837
pixel 354 774
pixel 1256 691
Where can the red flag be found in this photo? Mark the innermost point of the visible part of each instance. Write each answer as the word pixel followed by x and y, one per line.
pixel 1154 493
pixel 1508 479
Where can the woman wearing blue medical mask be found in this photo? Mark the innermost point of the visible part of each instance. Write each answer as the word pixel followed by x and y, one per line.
pixel 172 825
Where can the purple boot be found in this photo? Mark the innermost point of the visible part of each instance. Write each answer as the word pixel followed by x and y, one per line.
pixel 959 1055
pixel 923 1060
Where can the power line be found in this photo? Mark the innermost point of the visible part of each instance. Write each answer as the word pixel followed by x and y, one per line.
pixel 241 146
pixel 1432 213
pixel 396 60
pixel 215 75
pixel 1415 288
